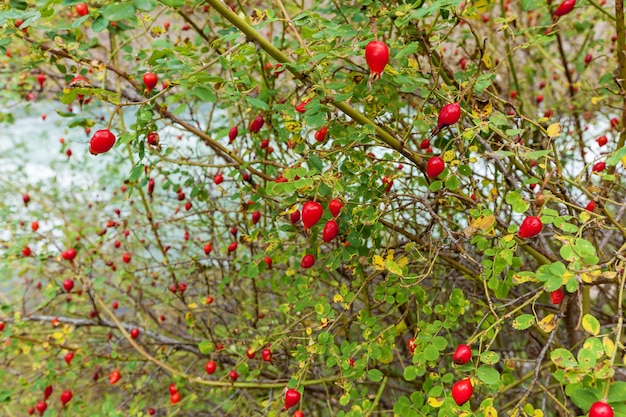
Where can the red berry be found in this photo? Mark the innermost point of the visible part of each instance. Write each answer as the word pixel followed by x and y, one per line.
pixel 134 333
pixel 208 248
pixel 295 216
pixel 115 376
pixel 250 353
pixel 598 167
pixel 69 254
pixel 321 134
pixel 565 7
pixel 126 257
pixel 531 226
pixel 335 207
pixel 25 199
pixel 68 284
pixel 102 141
pixel 173 388
pixel 602 140
pixel 31 411
pixel 462 354
pixel 557 296
pixel 377 56
pixel 175 397
pixel 298 413
pixel 66 397
pixel 151 411
pixel 449 115
pixel 232 134
pixel 26 251
pixel 266 354
pixel 41 78
pixel 591 206
pixel 435 166
pixel 292 397
pixel 69 356
pixel 82 9
pixel 265 143
pixel 268 261
pixel 41 407
pixel 307 261
pixel 411 345
pixel 312 212
pixel 47 392
pixel 600 409
pixel 614 122
pixel 233 375
pixel 150 80
pixel 115 305
pixel 539 98
pixel 301 108
pixel 425 144
pixel 330 231
pixel 462 391
pixel 34 226
pixel 210 367
pixel 153 139
pixel 219 178
pixel 232 247
pixel 588 59
pixel 256 124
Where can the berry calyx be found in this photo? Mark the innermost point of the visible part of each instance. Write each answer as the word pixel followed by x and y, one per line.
pixel 531 227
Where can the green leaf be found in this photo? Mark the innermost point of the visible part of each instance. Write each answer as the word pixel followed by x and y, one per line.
pixel 100 24
pixel 173 3
pixel 136 172
pixel 523 322
pixel 259 104
pixel 145 5
pixel 453 183
pixel 205 94
pixel 118 11
pixel 488 375
pixel 591 324
pixel 563 358
pixel 410 373
pixel 206 347
pixel 375 375
pixel 435 186
pixel 587 359
pixel 617 392
pixel 489 358
pixel 581 397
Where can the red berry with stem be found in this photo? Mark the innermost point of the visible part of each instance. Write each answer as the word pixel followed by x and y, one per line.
pixel 330 231
pixel 47 392
pixel 266 354
pixel 66 397
pixel 69 254
pixel 462 391
pixel 531 227
pixel 301 108
pixel 126 257
pixel 233 375
pixel 82 9
pixel 256 124
pixel 68 285
pixel 411 345
pixel 232 133
pixel 312 212
pixel 321 134
pixel 602 140
pixel 134 333
pixel 600 409
pixel 114 377
pixel 25 199
pixel 377 57
pixel 294 216
pixel 435 166
pixel 307 261
pixel 462 354
pixel 102 141
pixel 557 296
pixel 590 206
pixel 250 353
pixel 69 356
pixel 41 78
pixel 218 179
pixel 150 80
pixel 41 407
pixel 268 261
pixel 208 248
pixel 335 207
pixel 598 166
pixel 232 247
pixel 449 115
pixel 292 397
pixel 564 8
pixel 210 367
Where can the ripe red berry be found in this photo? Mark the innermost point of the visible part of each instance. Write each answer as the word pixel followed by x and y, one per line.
pixel 102 141
pixel 462 354
pixel 208 248
pixel 126 257
pixel 295 216
pixel 564 8
pixel 377 57
pixel 298 413
pixel 330 231
pixel 66 397
pixel 151 411
pixel 68 284
pixel 312 212
pixel 82 9
pixel 531 226
pixel 175 398
pixel 256 124
pixel 69 254
pixel 232 247
pixel 26 251
pixel 539 98
pixel 150 80
pixel 602 140
pixel 449 115
pixel 268 261
pixel 25 199
pixel 425 144
pixel 250 353
pixel 115 305
pixel 435 166
pixel 153 139
pixel 34 226
pixel 600 409
pixel 335 207
pixel 173 388
pixel 134 333
pixel 588 59
pixel 266 354
pixel 590 206
pixel 256 217
pixel 557 296
pixel 307 261
pixel 232 133
pixel 41 78
pixel 218 179
pixel 69 356
pixel 292 397
pixel 598 166
pixel 210 367
pixel 233 375
pixel 411 345
pixel 321 134
pixel 47 392
pixel 301 108
pixel 114 377
pixel 41 407
pixel 462 391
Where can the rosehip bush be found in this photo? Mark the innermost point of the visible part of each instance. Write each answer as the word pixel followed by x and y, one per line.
pixel 267 183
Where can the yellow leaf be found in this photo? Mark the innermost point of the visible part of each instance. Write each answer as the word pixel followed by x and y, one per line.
pixel 554 130
pixel 413 63
pixel 308 331
pixel 548 323
pixel 591 324
pixel 402 262
pixel 482 108
pixel 337 298
pixel 596 100
pixel 491 412
pixel 193 306
pixel 448 155
pixel 537 413
pixel 435 402
pixel 57 335
pixel 624 160
pixel 480 224
pixel 609 274
pixel 609 346
pixel 584 216
pixel 378 262
pixel 390 254
pixel 493 193
pixel 487 61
